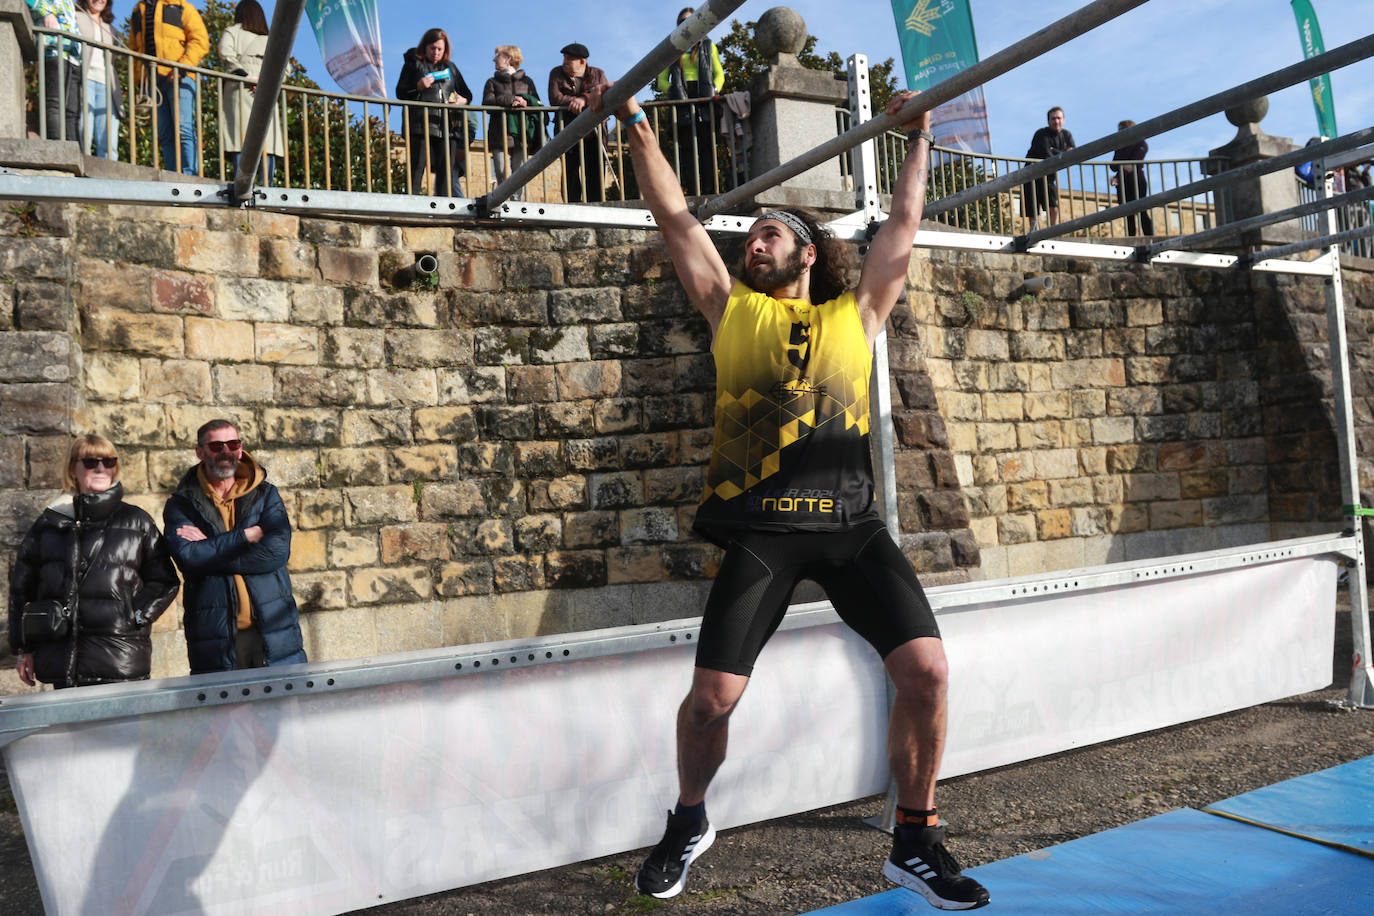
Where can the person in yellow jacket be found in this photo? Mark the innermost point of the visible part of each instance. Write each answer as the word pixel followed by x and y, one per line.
pixel 173 31
pixel 696 74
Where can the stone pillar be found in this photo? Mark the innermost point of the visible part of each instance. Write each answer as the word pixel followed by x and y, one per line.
pixel 1265 194
pixel 793 110
pixel 16 46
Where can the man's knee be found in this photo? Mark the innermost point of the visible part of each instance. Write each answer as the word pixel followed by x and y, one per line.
pixel 713 697
pixel 919 667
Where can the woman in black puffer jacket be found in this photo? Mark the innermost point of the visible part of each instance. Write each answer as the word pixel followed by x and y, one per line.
pixel 436 136
pixel 95 553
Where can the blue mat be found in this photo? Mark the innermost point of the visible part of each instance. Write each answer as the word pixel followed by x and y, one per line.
pixel 1332 806
pixel 1183 862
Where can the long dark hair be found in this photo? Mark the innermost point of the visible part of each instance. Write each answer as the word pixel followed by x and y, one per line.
pixel 106 15
pixel 249 14
pixel 836 265
pixel 429 38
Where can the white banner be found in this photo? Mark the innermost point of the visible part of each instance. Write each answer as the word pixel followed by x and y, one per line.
pixel 329 802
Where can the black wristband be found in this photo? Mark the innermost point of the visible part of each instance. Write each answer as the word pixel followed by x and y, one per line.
pixel 919 134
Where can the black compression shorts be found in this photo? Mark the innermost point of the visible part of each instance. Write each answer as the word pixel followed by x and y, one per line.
pixel 863 572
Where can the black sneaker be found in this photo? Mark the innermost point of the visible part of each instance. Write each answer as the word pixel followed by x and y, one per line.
pixel 664 873
pixel 927 868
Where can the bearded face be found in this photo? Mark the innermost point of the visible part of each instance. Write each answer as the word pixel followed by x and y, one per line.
pixel 765 275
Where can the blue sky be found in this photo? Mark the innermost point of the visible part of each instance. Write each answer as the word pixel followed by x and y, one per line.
pixel 1153 59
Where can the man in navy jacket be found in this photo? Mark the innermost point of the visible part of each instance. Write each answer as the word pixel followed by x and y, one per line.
pixel 228 532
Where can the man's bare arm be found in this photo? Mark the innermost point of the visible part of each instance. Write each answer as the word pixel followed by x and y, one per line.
pixel 885 265
pixel 700 268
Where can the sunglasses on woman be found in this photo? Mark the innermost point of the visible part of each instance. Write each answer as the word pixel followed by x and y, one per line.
pixel 228 445
pixel 91 464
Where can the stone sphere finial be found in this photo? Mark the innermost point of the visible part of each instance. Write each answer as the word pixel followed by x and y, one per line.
pixel 780 30
pixel 1246 113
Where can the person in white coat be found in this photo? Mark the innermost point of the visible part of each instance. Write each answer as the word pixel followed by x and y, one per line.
pixel 241 49
pixel 104 98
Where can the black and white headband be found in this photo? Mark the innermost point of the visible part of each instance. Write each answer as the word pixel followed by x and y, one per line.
pixel 791 221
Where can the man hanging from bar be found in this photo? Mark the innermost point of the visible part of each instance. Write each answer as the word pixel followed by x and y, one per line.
pixel 789 495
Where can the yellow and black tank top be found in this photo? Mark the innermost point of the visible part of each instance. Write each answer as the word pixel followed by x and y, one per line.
pixel 791 446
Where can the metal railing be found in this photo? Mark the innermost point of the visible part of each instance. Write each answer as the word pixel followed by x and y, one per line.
pixel 1080 189
pixel 336 141
pixel 1350 216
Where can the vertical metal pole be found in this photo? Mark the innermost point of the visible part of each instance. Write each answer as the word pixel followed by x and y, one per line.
pixel 879 382
pixel 1362 672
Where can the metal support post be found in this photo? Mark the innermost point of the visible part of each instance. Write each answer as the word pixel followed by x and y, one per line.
pixel 706 18
pixel 880 382
pixel 1280 79
pixel 1262 167
pixel 1362 671
pixel 1029 48
pixel 286 18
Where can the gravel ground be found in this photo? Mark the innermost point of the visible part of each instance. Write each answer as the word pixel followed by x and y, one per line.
pixel 823 857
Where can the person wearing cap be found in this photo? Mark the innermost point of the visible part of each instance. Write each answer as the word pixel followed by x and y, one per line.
pixel 789 495
pixel 572 86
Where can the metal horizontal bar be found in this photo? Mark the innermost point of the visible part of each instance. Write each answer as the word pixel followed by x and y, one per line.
pixel 1323 242
pixel 1229 177
pixel 1256 222
pixel 1331 163
pixel 698 26
pixel 22 714
pixel 1028 48
pixel 286 18
pixel 1315 66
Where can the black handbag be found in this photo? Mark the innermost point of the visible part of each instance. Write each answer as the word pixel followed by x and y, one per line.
pixel 47 620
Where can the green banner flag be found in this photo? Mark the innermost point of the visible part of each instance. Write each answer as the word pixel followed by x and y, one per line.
pixel 1311 34
pixel 350 37
pixel 937 42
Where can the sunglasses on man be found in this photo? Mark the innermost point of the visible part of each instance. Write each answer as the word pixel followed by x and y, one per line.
pixel 227 445
pixel 91 464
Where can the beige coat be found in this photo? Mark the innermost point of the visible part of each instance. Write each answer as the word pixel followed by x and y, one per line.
pixel 241 49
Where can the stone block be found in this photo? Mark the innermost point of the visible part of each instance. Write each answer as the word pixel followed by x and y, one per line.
pixel 532 384
pixel 1051 524
pixel 1075 491
pixel 319 509
pixel 1003 406
pixel 268 223
pixel 613 341
pixel 349 266
pixel 575 568
pixel 144 334
pixel 252 300
pixel 220 341
pixel 1056 463
pixel 559 345
pixel 649 450
pixel 652 525
pixel 349 632
pixel 379 505
pixel 473 385
pixel 290 467
pixel 568 492
pixel 402 387
pixel 464 499
pixel 1236 509
pixel 517 574
pixel 471 271
pixel 573 306
pixel 996 436
pixel 307 551
pixel 350 548
pixel 316 426
pixel 1089 373
pixel 353 467
pixel 1205 483
pixel 180 292
pixel 320 591
pixel 176 380
pixel 537 533
pixel 415 542
pixel 1016 529
pixel 423 462
pixel 617 490
pixel 1028 345
pixel 1175 514
pixel 492 536
pixel 483 459
pixel 311 386
pixel 465 578
pixel 118 286
pixel 429 239
pixel 428 348
pixel 287 344
pixel 319 305
pixel 219 253
pixel 245 383
pixel 126 424
pixel 37 356
pixel 1151 487
pixel 591 529
pixel 1113 430
pixel 634 564
pixel 446 424
pixel 389 585
pixel 990 345
pixel 1032 494
pixel 600 379
pixel 354 347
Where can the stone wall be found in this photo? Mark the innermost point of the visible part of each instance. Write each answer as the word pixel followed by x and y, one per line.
pixel 519 450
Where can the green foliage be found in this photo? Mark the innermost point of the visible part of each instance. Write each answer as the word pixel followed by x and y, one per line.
pixel 973 306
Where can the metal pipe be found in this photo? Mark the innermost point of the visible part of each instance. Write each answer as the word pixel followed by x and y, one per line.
pixel 1315 66
pixel 1255 222
pixel 286 18
pixel 1262 167
pixel 1029 48
pixel 1338 238
pixel 706 18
